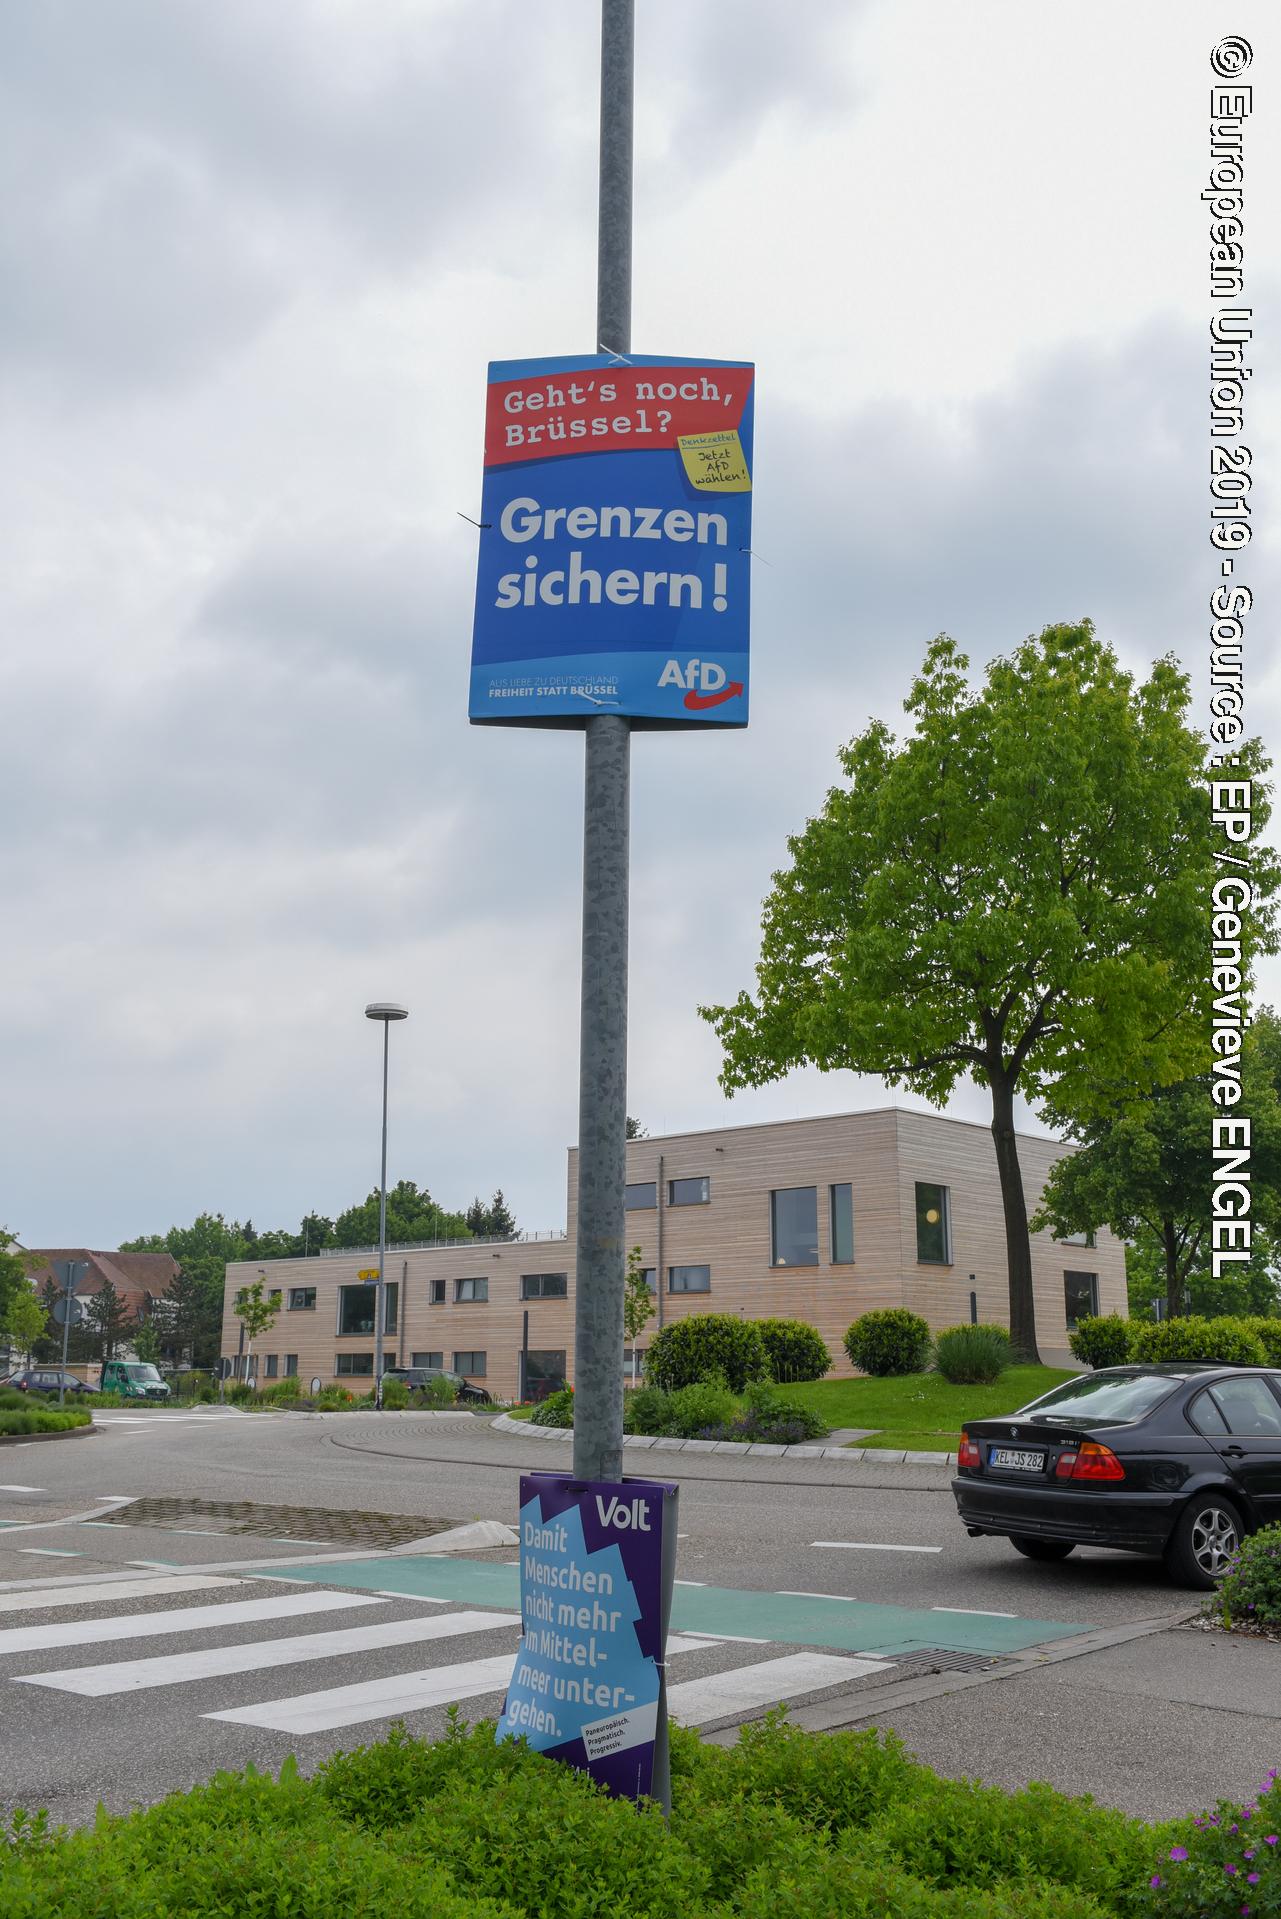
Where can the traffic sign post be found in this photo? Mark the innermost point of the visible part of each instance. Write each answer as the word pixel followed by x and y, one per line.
pixel 67 1274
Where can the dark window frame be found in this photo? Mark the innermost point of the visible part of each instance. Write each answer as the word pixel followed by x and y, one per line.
pixel 1069 1275
pixel 534 1286
pixel 302 1299
pixel 346 1366
pixel 471 1372
pixel 433 1361
pixel 694 1179
pixel 271 1368
pixel 796 1236
pixel 437 1292
pixel 473 1298
pixel 701 1267
pixel 943 1225
pixel 291 1365
pixel 649 1186
pixel 835 1231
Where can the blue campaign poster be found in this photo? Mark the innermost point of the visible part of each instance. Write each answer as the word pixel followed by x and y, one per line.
pixel 614 565
pixel 596 1563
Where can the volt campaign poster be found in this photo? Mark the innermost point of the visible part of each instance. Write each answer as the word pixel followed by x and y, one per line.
pixel 614 568
pixel 588 1686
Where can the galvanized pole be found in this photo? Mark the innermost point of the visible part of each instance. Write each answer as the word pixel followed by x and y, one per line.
pixel 602 1070
pixel 382 1235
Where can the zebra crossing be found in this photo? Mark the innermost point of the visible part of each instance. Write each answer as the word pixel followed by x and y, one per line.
pixel 210 1671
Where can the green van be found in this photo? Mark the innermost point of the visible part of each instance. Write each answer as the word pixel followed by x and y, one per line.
pixel 132 1380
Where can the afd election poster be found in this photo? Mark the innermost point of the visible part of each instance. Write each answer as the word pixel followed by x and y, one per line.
pixel 588 1687
pixel 614 566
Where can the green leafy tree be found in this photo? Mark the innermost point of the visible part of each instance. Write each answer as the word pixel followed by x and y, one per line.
pixel 638 1302
pixel 14 1268
pixel 24 1321
pixel 635 1130
pixel 1015 893
pixel 108 1319
pixel 145 1340
pixel 412 1214
pixel 494 1221
pixel 1145 1170
pixel 256 1314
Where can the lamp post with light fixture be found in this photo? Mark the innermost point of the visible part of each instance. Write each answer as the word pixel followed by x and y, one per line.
pixel 386 1011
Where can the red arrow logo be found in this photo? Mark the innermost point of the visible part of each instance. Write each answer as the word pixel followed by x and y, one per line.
pixel 697 701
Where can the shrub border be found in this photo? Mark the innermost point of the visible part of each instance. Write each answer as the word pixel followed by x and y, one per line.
pixel 30 1439
pixel 852 1455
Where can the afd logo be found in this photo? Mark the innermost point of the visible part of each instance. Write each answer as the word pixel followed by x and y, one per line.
pixel 630 1518
pixel 704 680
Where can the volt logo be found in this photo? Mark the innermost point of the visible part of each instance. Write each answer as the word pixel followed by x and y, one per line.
pixel 624 1518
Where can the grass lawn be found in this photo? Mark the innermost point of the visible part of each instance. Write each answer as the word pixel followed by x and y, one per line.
pixel 921 1412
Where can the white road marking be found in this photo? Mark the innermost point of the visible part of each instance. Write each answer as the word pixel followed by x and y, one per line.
pixel 213 1662
pixel 423 1599
pixel 735 1638
pixel 22 1489
pixel 689 1582
pixel 786 1594
pixel 48 1552
pixel 869 1546
pixel 117 1589
pixel 978 1612
pixel 150 1625
pixel 696 1701
pixel 388 1698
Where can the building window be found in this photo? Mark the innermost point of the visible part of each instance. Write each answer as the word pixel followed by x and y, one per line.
pixel 274 1297
pixel 793 1213
pixel 544 1373
pixel 302 1299
pixel 544 1285
pixel 842 1221
pixel 471 1365
pixel 638 1357
pixel 428 1359
pixel 1080 1297
pixel 650 1277
pixel 933 1226
pixel 640 1194
pixel 689 1279
pixel 1079 1239
pixel 291 1365
pixel 356 1306
pixel 273 1365
pixel 689 1192
pixel 436 1294
pixel 354 1365
pixel 470 1291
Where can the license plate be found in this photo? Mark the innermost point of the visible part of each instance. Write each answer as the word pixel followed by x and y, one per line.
pixel 1011 1459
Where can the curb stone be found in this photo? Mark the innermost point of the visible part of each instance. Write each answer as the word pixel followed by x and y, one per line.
pixel 853 1456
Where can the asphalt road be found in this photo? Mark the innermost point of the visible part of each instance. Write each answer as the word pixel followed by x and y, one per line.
pixel 1097 1684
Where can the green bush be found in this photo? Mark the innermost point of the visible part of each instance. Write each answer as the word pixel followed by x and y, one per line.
pixel 556 1410
pixel 1226 1341
pixel 1204 1866
pixel 333 1399
pixel 973 1355
pixel 707 1402
pixel 1249 1593
pixel 36 1419
pixel 1268 1334
pixel 701 1344
pixel 794 1350
pixel 237 1392
pixel 888 1341
pixel 290 1387
pixel 11 1398
pixel 434 1396
pixel 1102 1340
pixel 647 1409
pixel 395 1395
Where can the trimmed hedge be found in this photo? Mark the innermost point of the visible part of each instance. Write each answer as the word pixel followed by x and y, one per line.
pixel 1268 1334
pixel 889 1341
pixel 1103 1340
pixel 795 1350
pixel 703 1344
pixel 31 1420
pixel 1227 1341
pixel 784 1825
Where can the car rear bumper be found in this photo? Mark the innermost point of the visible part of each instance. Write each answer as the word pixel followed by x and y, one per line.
pixel 1128 1521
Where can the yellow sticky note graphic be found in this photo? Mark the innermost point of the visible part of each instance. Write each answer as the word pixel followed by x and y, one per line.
pixel 715 462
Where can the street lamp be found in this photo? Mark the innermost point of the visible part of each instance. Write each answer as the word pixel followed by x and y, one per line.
pixel 386 1011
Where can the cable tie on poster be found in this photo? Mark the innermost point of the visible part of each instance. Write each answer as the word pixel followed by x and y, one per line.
pixel 484 525
pixel 615 359
pixel 753 554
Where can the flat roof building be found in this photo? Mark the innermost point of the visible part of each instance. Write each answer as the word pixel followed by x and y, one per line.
pixel 814 1219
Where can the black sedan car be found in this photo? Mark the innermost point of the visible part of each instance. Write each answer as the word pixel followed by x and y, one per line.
pixel 415 1376
pixel 1179 1461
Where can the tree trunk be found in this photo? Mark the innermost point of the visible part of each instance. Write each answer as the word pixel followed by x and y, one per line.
pixel 1173 1283
pixel 1018 1246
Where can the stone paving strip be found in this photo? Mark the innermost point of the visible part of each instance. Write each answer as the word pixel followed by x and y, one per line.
pixel 853 1456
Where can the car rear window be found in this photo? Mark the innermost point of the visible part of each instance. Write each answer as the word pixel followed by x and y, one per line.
pixel 1102 1399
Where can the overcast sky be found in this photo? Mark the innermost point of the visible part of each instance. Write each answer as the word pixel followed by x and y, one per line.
pixel 255 259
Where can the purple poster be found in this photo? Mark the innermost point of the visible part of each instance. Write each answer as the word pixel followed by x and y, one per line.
pixel 596 1564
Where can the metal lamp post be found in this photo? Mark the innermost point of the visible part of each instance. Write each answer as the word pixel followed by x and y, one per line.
pixel 386 1011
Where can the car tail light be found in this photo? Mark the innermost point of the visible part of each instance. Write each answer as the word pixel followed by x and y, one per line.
pixel 1089 1462
pixel 967 1453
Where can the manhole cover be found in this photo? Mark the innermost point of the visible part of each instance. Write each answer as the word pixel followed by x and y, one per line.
pixel 316 1525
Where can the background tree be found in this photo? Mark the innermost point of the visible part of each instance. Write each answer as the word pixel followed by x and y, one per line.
pixel 412 1214
pixel 635 1130
pixel 1244 1291
pixel 193 1320
pixel 256 1314
pixel 145 1339
pixel 1145 1170
pixel 108 1320
pixel 494 1221
pixel 1015 893
pixel 24 1321
pixel 15 1265
pixel 638 1302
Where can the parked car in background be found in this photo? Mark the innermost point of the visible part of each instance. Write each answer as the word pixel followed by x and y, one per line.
pixel 419 1376
pixel 46 1379
pixel 1178 1460
pixel 133 1379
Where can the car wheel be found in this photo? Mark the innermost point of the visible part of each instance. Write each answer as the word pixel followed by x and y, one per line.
pixel 1050 1549
pixel 1204 1542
